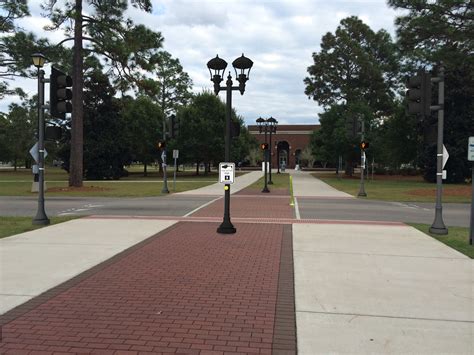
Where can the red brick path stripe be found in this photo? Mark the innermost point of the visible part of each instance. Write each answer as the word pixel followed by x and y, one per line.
pixel 250 207
pixel 187 290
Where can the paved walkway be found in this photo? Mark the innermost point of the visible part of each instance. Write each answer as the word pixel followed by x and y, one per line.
pixel 217 188
pixel 277 285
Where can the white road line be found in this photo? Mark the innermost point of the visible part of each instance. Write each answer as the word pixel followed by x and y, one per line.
pixel 205 205
pixel 297 209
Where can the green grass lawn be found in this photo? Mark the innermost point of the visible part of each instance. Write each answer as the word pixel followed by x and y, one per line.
pixel 398 188
pixel 135 185
pixel 280 181
pixel 457 238
pixel 15 225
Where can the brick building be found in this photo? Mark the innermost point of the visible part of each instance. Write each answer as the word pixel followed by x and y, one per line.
pixel 287 143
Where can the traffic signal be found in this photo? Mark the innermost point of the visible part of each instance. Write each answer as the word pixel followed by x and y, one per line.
pixel 419 94
pixel 59 93
pixel 162 145
pixel 364 145
pixel 264 146
pixel 174 126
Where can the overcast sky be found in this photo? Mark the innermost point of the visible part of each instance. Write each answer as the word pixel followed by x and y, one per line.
pixel 278 35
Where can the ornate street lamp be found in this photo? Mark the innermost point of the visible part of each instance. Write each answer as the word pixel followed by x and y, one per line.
pixel 38 61
pixel 216 68
pixel 272 125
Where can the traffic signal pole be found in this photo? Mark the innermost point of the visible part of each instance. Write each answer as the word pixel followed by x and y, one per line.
pixel 41 217
pixel 438 226
pixel 362 192
pixel 265 160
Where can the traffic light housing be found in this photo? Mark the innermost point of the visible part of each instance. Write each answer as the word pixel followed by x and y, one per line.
pixel 173 126
pixel 419 94
pixel 161 145
pixel 60 94
pixel 364 145
pixel 264 146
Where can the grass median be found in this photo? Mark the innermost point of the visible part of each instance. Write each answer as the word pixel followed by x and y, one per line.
pixel 15 225
pixel 398 188
pixel 135 185
pixel 457 238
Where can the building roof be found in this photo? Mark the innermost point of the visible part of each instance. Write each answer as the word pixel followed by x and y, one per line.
pixel 290 127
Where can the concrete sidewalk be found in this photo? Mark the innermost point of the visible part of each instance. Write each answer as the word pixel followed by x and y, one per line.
pixel 377 289
pixel 380 290
pixel 217 189
pixel 33 262
pixel 304 184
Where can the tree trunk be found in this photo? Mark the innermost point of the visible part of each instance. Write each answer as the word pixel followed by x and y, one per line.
pixel 15 163
pixel 349 168
pixel 145 173
pixel 77 126
pixel 197 168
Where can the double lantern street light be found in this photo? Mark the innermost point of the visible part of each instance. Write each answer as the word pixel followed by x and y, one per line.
pixel 267 125
pixel 217 66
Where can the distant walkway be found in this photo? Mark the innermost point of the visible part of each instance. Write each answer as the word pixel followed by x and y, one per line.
pixel 305 185
pixel 217 189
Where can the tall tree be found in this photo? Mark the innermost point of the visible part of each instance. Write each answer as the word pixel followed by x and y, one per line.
pixel 433 32
pixel 18 128
pixel 354 64
pixel 201 132
pixel 143 126
pixel 356 69
pixel 126 47
pixel 16 47
pixel 172 86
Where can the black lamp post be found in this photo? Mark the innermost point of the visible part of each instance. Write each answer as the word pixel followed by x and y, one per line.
pixel 216 69
pixel 38 61
pixel 272 125
pixel 262 126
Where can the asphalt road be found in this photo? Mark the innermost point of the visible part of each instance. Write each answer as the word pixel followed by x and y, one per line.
pixel 454 214
pixel 172 205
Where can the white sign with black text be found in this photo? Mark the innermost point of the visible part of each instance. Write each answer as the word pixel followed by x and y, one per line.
pixel 470 149
pixel 226 173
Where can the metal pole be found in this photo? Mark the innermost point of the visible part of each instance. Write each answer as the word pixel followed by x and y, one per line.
pixel 226 226
pixel 41 217
pixel 362 192
pixel 174 177
pixel 265 158
pixel 270 182
pixel 278 159
pixel 165 177
pixel 438 226
pixel 471 234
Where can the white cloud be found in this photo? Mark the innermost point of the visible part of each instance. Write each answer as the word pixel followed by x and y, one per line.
pixel 278 35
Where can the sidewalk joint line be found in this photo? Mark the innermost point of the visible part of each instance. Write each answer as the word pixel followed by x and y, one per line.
pixel 375 254
pixel 387 316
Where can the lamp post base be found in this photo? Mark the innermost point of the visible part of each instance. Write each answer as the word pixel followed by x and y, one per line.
pixel 226 228
pixel 270 182
pixel 362 194
pixel 265 189
pixel 438 226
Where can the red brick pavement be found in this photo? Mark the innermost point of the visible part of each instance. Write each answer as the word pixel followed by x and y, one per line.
pixel 187 290
pixel 248 206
